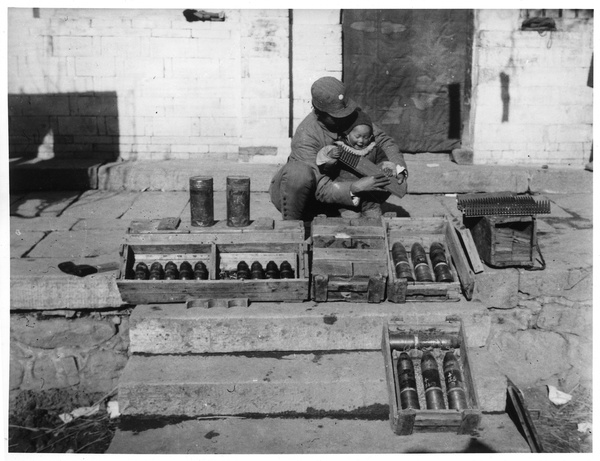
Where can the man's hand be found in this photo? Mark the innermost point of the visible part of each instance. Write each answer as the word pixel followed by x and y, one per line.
pixel 369 184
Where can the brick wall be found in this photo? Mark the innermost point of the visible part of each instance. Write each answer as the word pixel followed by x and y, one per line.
pixel 547 118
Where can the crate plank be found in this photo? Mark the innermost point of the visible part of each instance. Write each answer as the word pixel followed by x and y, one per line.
pixel 342 254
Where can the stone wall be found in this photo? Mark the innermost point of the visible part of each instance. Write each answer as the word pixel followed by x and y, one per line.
pixel 62 349
pixel 546 114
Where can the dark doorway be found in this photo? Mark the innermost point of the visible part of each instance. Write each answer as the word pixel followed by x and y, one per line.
pixel 410 70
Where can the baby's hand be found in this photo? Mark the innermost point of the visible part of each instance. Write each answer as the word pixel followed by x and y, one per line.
pixel 389 169
pixel 335 153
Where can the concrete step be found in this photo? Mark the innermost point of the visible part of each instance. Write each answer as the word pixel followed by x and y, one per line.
pixel 347 383
pixel 308 326
pixel 166 385
pixel 497 433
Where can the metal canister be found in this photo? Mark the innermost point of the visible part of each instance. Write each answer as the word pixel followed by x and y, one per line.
pixel 455 387
pixel 409 398
pixel 419 260
pixel 238 201
pixel 401 264
pixel 440 263
pixel 434 396
pixel 202 201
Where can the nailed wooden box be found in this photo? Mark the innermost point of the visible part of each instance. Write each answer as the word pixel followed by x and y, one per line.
pixel 221 248
pixel 504 241
pixel 349 260
pixel 425 231
pixel 438 338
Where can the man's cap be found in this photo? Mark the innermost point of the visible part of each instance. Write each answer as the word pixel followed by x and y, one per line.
pixel 329 96
pixel 361 118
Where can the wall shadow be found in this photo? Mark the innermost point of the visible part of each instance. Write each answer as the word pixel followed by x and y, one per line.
pixel 57 139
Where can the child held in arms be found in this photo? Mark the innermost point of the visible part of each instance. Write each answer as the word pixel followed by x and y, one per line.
pixel 358 139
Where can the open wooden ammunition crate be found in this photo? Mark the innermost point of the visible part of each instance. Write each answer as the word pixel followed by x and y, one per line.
pixel 221 248
pixel 425 231
pixel 349 260
pixel 438 338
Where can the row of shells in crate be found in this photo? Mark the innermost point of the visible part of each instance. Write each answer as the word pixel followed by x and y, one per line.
pixel 185 271
pixel 421 268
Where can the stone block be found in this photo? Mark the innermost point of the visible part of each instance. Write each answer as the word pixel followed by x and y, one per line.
pixel 78 244
pixel 121 46
pixel 497 288
pixel 348 383
pixel 490 382
pixel 574 284
pixel 54 333
pixel 575 318
pixel 22 242
pixel 156 205
pixel 63 45
pixel 80 125
pixel 303 17
pixel 95 67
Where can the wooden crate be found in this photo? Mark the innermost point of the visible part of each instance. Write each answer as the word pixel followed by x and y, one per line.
pixel 426 231
pixel 349 260
pixel 504 241
pixel 220 248
pixel 407 421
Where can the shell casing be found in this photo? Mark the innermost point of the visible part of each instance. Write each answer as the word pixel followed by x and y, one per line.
pixel 243 271
pixel 156 271
pixel 171 271
pixel 256 271
pixel 238 201
pixel 141 272
pixel 440 263
pixel 200 271
pixel 419 260
pixel 455 388
pixel 409 398
pixel 401 264
pixel 434 396
pixel 420 340
pixel 272 271
pixel 285 270
pixel 202 201
pixel 185 271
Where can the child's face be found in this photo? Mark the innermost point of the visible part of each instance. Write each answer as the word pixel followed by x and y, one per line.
pixel 359 137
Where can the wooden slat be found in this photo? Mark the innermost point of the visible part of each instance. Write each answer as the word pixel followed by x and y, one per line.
pixel 320 283
pixel 371 268
pixel 347 231
pixel 466 276
pixel 348 296
pixel 359 284
pixel 376 289
pixel 340 254
pixel 327 267
pixel 469 245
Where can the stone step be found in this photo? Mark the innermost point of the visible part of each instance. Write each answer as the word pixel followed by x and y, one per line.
pixel 497 433
pixel 307 326
pixel 314 384
pixel 348 383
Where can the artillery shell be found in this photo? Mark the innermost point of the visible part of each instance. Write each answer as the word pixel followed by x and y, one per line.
pixel 272 271
pixel 200 271
pixel 256 271
pixel 419 260
pixel 431 382
pixel 285 270
pixel 439 263
pixel 455 388
pixel 401 264
pixel 423 339
pixel 243 271
pixel 141 272
pixel 185 271
pixel 407 382
pixel 171 271
pixel 202 201
pixel 156 271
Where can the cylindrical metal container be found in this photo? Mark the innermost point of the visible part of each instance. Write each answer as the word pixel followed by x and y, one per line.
pixel 185 271
pixel 423 339
pixel 455 387
pixel 439 263
pixel 257 271
pixel 409 398
pixel 171 271
pixel 285 270
pixel 272 271
pixel 419 260
pixel 238 201
pixel 200 271
pixel 202 201
pixel 156 271
pixel 141 272
pixel 243 271
pixel 401 264
pixel 434 396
